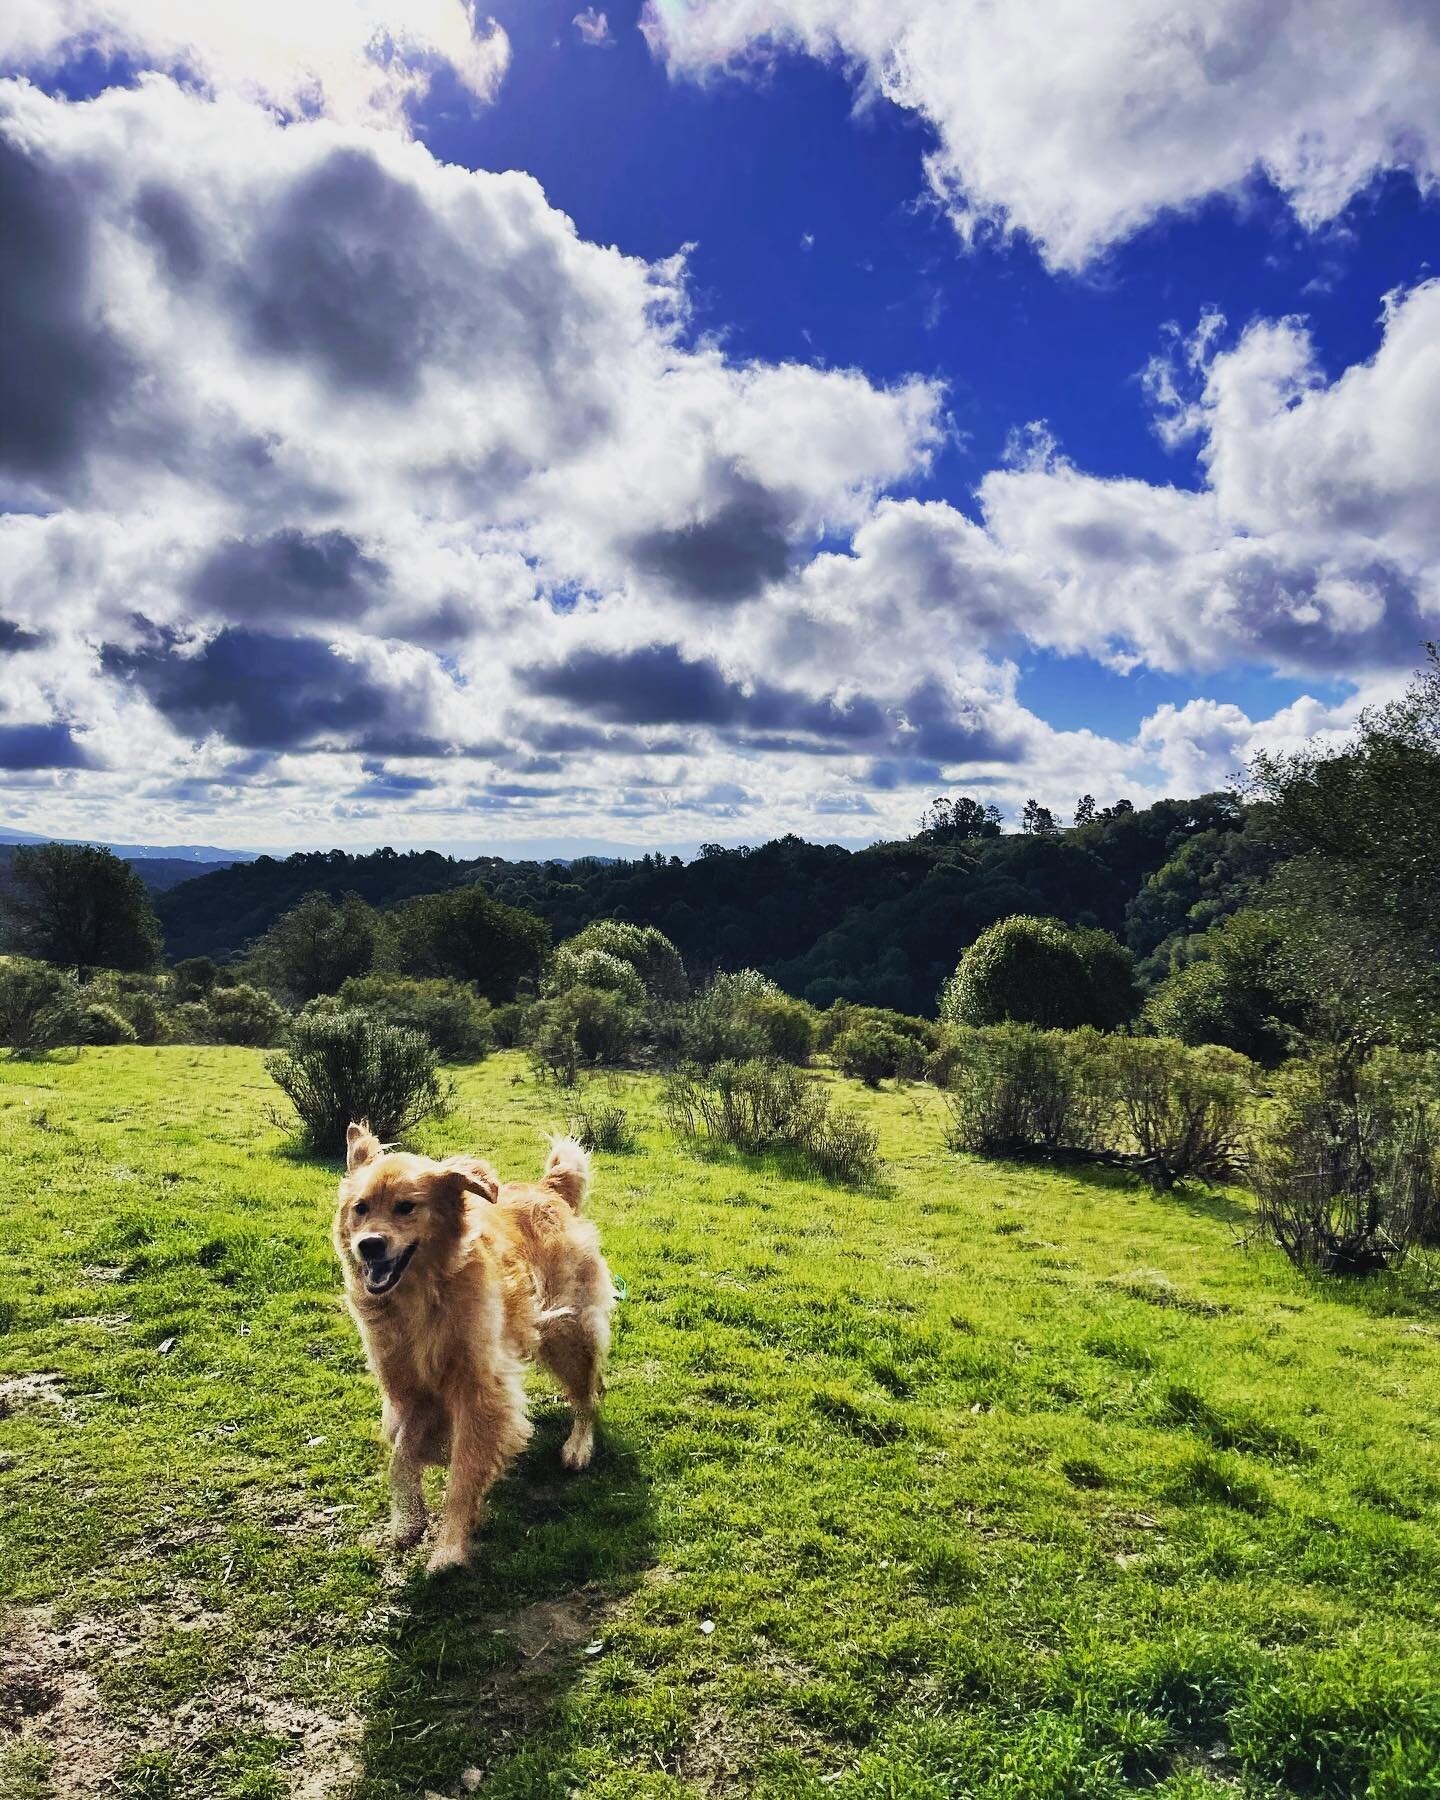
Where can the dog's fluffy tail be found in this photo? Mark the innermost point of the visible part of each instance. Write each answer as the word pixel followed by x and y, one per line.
pixel 567 1171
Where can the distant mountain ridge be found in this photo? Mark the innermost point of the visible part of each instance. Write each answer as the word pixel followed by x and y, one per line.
pixel 159 873
pixel 190 853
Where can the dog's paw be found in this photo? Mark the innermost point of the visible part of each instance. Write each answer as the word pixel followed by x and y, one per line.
pixel 578 1448
pixel 406 1533
pixel 445 1558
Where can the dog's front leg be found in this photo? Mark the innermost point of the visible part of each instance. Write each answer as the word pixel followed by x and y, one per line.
pixel 485 1434
pixel 407 1500
pixel 407 1491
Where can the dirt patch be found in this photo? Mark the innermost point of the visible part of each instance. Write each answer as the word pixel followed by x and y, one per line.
pixel 550 1627
pixel 28 1393
pixel 50 1700
pixel 47 1697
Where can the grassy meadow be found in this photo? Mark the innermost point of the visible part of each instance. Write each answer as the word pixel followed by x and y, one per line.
pixel 993 1481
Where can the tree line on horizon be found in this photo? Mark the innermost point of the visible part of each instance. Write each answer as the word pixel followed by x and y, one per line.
pixel 1233 917
pixel 880 926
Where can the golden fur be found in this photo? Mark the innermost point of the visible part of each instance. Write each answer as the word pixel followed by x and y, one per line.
pixel 456 1282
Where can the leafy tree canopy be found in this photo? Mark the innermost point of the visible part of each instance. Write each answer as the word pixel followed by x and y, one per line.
pixel 81 907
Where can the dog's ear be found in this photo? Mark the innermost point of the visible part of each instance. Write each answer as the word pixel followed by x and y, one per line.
pixel 475 1176
pixel 361 1145
pixel 447 1188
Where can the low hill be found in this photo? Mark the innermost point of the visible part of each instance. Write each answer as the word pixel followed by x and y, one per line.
pixel 883 925
pixel 159 873
pixel 210 855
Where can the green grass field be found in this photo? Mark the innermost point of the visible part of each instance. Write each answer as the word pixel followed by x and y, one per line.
pixel 991 1482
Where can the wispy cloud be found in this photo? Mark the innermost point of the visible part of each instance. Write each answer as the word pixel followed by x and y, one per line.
pixel 594 28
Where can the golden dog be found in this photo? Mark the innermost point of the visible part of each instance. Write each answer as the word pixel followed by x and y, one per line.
pixel 456 1282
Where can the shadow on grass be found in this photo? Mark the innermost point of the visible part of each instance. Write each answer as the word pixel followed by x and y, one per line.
pixel 794 1165
pixel 1188 1196
pixel 479 1663
pixel 1411 1291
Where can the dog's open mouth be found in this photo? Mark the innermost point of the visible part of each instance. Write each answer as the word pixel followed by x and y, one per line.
pixel 380 1277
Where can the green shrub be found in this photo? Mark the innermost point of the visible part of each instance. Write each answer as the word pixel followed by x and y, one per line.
pixel 510 1023
pixel 574 967
pixel 1110 971
pixel 242 1015
pixel 1193 1005
pixel 39 1007
pixel 1344 1161
pixel 603 1125
pixel 762 1107
pixel 1040 972
pixel 844 1016
pixel 1016 1090
pixel 645 948
pixel 1185 1111
pixel 708 1029
pixel 944 1060
pixel 193 977
pixel 143 1001
pixel 788 1026
pixel 348 1065
pixel 451 1017
pixel 102 1024
pixel 1165 1110
pixel 871 1052
pixel 740 1016
pixel 583 1025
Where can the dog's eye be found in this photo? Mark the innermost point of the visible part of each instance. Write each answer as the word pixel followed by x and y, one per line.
pixel 360 1209
pixel 402 1207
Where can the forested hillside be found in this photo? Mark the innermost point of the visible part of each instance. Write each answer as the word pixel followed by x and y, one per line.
pixel 157 872
pixel 883 925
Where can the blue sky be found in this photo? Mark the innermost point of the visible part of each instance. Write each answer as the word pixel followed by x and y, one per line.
pixel 386 509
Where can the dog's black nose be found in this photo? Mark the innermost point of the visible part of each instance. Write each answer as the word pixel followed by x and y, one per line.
pixel 370 1249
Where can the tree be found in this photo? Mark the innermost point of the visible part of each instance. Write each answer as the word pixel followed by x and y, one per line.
pixel 1110 968
pixel 647 950
pixel 316 946
pixel 1038 820
pixel 1085 811
pixel 468 935
pixel 1036 971
pixel 1238 991
pixel 81 907
pixel 1359 896
pixel 1210 876
pixel 955 821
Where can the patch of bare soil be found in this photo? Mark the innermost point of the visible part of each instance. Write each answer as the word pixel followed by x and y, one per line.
pixel 550 1626
pixel 49 1698
pixel 26 1393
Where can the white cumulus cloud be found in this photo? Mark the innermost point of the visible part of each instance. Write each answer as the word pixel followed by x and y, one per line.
pixel 1078 121
pixel 352 59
